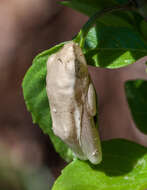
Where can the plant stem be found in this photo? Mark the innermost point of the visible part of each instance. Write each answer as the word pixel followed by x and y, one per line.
pixel 88 25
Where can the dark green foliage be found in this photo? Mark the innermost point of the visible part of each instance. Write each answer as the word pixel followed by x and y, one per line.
pixel 136 92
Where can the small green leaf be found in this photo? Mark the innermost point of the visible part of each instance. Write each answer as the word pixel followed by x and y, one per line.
pixel 34 91
pixel 124 167
pixel 136 92
pixel 113 47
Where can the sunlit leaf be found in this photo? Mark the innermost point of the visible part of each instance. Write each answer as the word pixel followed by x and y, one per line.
pixel 124 167
pixel 113 47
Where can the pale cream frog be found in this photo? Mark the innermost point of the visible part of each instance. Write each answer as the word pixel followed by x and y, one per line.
pixel 72 102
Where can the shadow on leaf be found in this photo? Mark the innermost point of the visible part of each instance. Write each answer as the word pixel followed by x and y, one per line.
pixel 120 157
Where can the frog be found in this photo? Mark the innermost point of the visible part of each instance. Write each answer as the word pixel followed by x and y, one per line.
pixel 73 103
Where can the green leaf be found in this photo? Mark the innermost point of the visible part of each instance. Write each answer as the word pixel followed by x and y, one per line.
pixel 116 18
pixel 116 41
pixel 124 167
pixel 89 7
pixel 113 47
pixel 34 91
pixel 81 6
pixel 136 92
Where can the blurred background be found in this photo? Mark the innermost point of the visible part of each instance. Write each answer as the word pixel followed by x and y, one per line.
pixel 27 27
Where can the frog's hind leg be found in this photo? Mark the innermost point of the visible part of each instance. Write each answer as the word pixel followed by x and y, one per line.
pixel 90 141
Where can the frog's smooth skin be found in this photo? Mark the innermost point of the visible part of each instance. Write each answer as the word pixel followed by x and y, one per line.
pixel 72 102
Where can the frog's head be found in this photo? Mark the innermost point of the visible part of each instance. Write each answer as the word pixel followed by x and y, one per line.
pixel 67 68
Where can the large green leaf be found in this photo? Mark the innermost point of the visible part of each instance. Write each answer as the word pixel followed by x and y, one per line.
pixel 34 91
pixel 113 47
pixel 117 40
pixel 136 92
pixel 116 18
pixel 124 167
pixel 89 7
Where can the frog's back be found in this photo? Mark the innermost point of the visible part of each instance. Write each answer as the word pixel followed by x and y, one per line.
pixel 61 82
